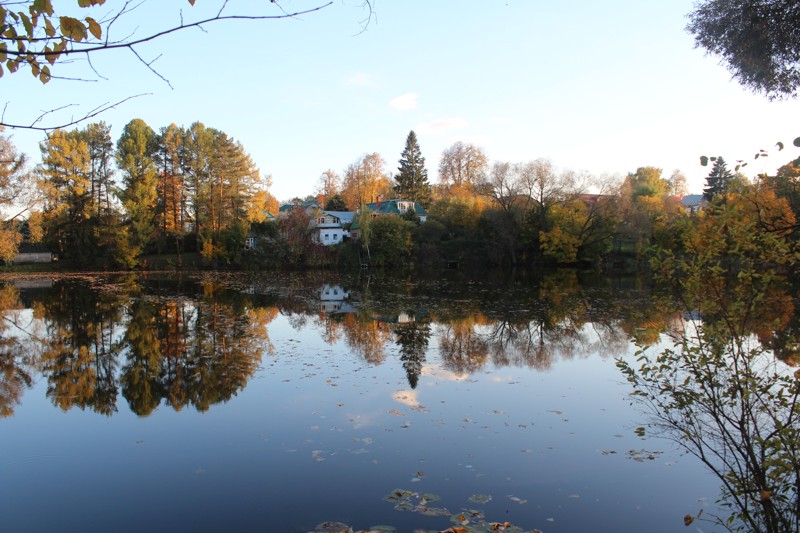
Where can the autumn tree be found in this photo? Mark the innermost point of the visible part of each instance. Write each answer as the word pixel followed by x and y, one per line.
pixel 74 177
pixel 17 195
pixel 786 184
pixel 329 185
pixel 364 180
pixel 676 184
pixel 412 176
pixel 647 211
pixel 462 166
pixel 172 199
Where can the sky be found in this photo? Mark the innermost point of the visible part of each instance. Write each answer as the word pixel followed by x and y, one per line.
pixel 599 87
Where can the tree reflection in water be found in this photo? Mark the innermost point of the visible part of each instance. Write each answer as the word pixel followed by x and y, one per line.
pixel 721 393
pixel 159 342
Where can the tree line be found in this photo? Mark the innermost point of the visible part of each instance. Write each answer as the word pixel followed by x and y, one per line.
pixel 179 190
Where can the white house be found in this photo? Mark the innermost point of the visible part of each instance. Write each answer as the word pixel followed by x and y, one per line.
pixel 331 227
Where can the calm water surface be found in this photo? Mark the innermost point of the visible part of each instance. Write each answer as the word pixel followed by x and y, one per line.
pixel 239 403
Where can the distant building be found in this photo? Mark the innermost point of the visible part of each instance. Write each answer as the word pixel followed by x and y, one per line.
pixel 33 253
pixel 331 227
pixel 692 203
pixel 397 207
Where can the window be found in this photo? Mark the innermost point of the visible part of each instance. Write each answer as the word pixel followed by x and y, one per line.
pixel 327 236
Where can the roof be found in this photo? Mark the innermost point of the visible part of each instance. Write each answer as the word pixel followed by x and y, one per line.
pixel 346 217
pixel 691 200
pixel 33 248
pixel 389 207
pixel 285 208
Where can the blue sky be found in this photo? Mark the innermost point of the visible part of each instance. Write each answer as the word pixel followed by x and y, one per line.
pixel 603 87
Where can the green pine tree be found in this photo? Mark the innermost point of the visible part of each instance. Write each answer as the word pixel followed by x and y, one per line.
pixel 412 179
pixel 718 180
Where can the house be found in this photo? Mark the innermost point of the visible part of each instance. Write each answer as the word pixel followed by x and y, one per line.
pixel 309 206
pixel 397 207
pixel 331 227
pixel 33 253
pixel 692 203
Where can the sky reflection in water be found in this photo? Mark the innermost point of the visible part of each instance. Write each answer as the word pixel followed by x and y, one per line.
pixel 264 407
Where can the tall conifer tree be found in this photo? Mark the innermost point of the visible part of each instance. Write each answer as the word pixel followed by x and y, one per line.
pixel 718 180
pixel 412 179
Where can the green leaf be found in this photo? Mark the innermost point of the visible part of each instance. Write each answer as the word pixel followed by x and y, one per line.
pixel 704 161
pixel 94 27
pixel 796 142
pixel 779 145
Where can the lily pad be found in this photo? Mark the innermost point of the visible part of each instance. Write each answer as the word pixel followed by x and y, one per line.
pixel 333 527
pixel 480 498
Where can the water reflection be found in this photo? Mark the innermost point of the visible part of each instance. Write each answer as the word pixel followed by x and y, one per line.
pixel 721 394
pixel 197 342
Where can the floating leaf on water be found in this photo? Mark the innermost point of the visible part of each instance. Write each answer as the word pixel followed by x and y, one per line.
pixel 381 529
pixel 433 511
pixel 640 431
pixel 398 494
pixel 427 497
pixel 687 520
pixel 480 498
pixel 516 499
pixel 333 527
pixel 405 506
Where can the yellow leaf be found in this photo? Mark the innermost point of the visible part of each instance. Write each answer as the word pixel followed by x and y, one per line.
pixel 94 27
pixel 72 28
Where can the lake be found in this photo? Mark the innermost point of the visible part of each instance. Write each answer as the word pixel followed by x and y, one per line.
pixel 288 403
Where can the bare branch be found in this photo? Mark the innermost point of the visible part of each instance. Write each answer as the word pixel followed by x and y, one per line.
pixel 72 122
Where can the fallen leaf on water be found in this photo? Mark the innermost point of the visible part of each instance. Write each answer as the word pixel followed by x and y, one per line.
pixel 687 520
pixel 516 499
pixel 333 527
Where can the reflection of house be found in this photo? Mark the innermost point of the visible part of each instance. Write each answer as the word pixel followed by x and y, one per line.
pixel 331 227
pixel 333 299
pixel 397 207
pixel 692 203
pixel 33 253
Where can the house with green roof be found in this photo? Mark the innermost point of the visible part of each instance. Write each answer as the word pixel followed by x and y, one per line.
pixel 398 207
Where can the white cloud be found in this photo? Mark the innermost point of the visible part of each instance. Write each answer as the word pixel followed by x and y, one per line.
pixel 406 397
pixel 442 125
pixel 404 102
